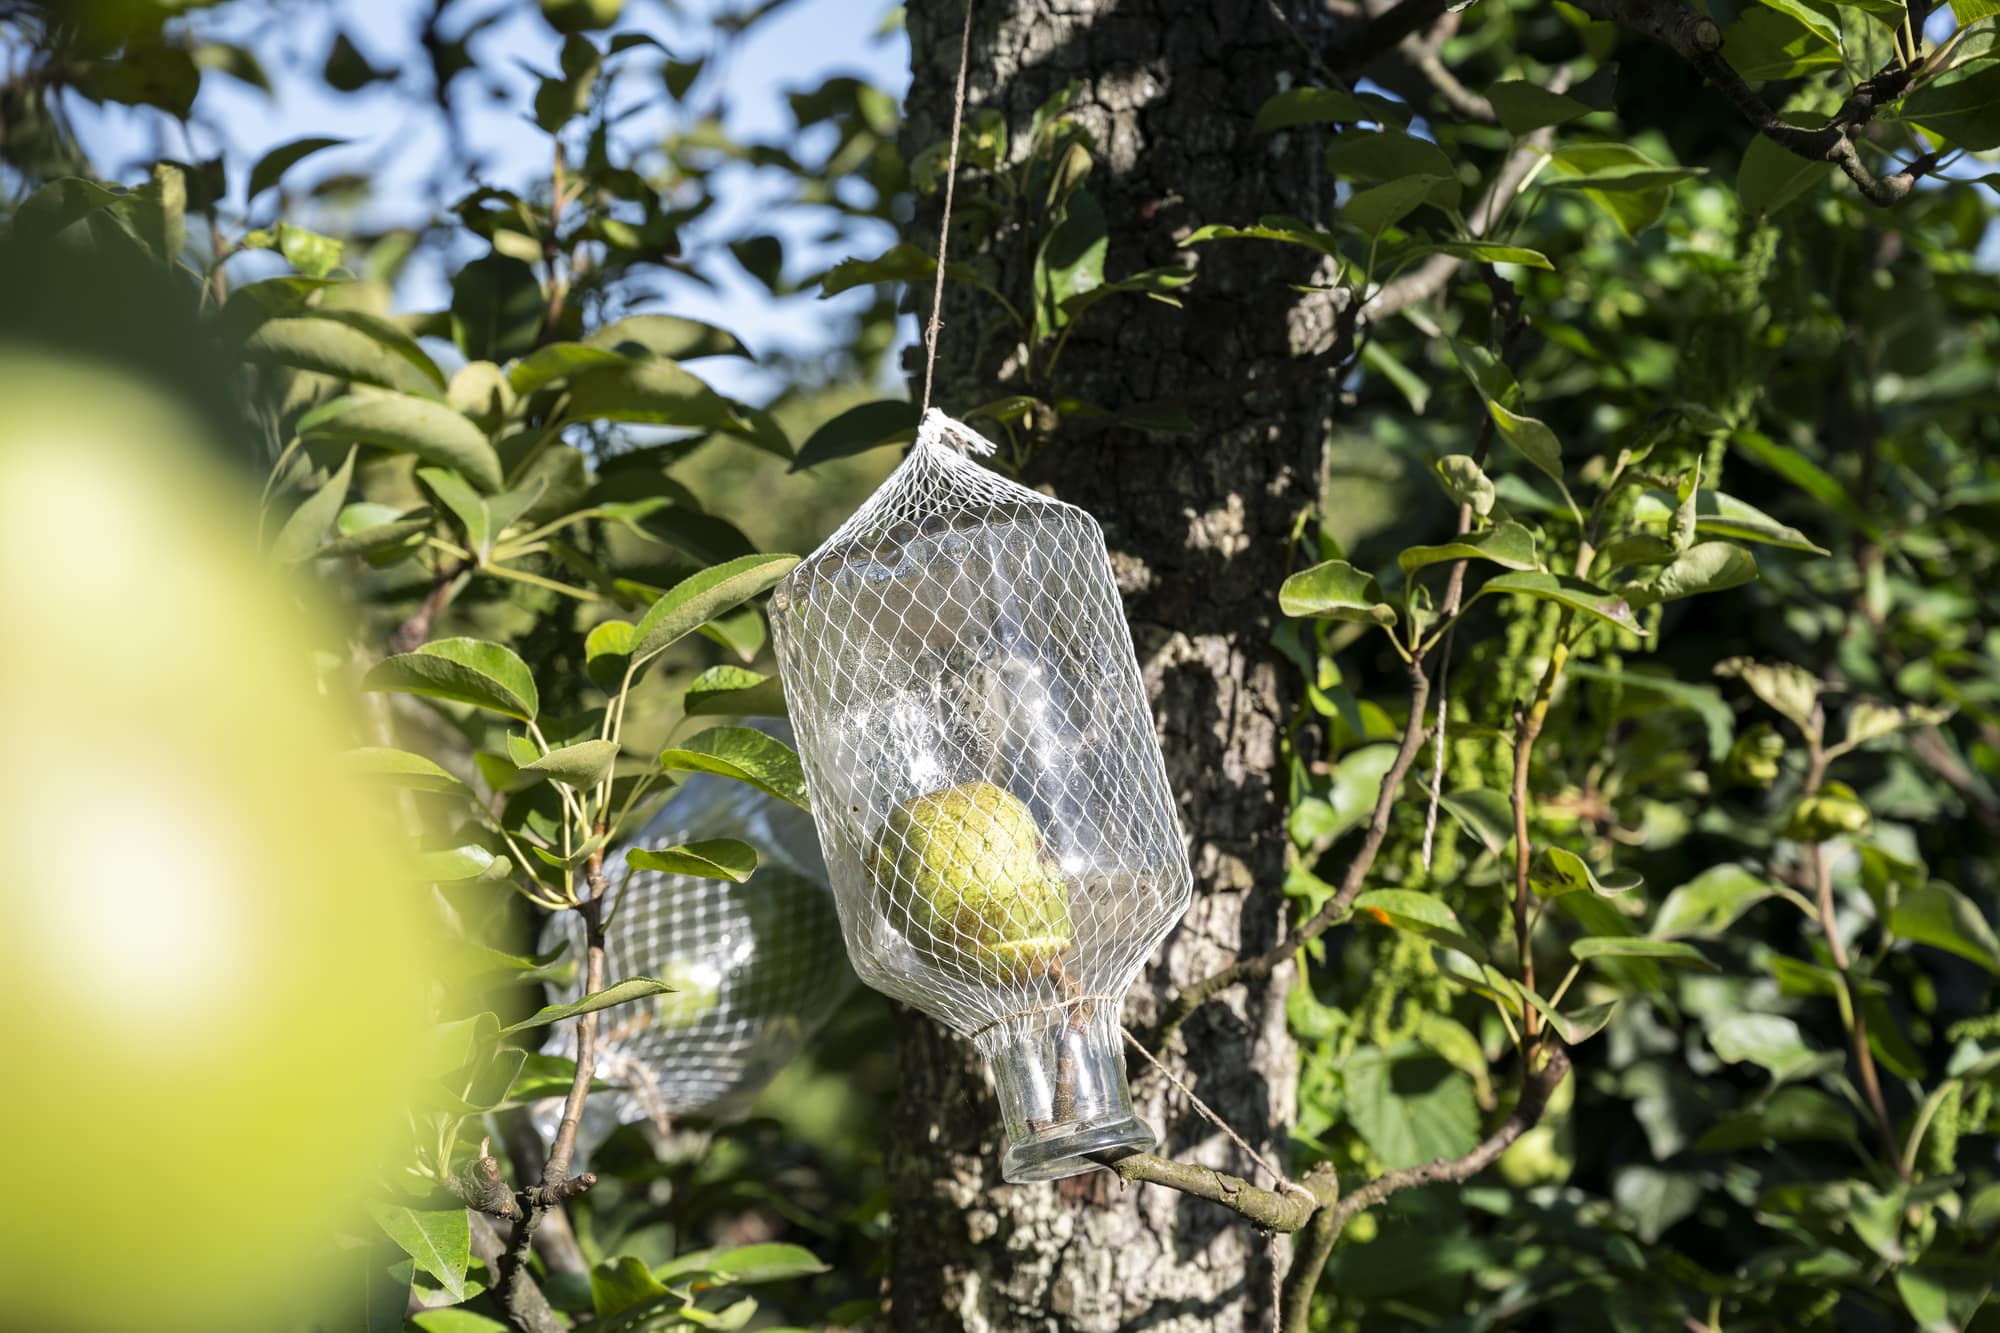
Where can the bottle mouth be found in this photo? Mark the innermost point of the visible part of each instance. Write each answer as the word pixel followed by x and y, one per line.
pixel 1064 1102
pixel 1074 1150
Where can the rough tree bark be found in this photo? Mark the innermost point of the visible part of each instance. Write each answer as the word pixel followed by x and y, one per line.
pixel 1198 527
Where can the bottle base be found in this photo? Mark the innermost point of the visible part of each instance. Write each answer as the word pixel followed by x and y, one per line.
pixel 1070 1150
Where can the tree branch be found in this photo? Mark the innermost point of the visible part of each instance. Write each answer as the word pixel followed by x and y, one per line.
pixel 1335 910
pixel 1696 39
pixel 1429 278
pixel 1311 1248
pixel 1314 1210
pixel 1271 1210
pixel 1536 1089
pixel 1384 31
pixel 1857 1028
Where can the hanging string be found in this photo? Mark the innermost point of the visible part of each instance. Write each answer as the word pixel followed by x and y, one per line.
pixel 1284 1182
pixel 944 223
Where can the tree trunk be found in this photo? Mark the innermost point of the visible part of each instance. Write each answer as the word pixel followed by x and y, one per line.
pixel 1199 528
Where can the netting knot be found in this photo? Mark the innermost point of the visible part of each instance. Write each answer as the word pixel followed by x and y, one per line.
pixel 939 429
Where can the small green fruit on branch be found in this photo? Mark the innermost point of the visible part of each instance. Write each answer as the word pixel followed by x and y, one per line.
pixel 981 893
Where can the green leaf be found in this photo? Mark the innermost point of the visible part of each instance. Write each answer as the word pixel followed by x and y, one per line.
pixel 1772 177
pixel 1809 18
pixel 1622 946
pixel 1524 108
pixel 1071 261
pixel 1558 871
pixel 1655 1198
pixel 307 251
pixel 1335 590
pixel 1532 439
pixel 1390 154
pixel 748 1265
pixel 620 1284
pixel 1719 515
pixel 623 992
pixel 583 764
pixel 733 691
pixel 1769 1041
pixel 1942 1295
pixel 1703 568
pixel 147 72
pixel 1409 1106
pixel 702 597
pixel 400 768
pixel 1612 168
pixel 1508 545
pixel 1632 188
pixel 1291 231
pixel 458 863
pixel 606 650
pixel 1465 482
pixel 1565 591
pixel 745 755
pixel 1969 12
pixel 901 262
pixel 715 858
pixel 306 528
pixel 1153 282
pixel 496 308
pixel 668 336
pixel 1486 814
pixel 658 393
pixel 1708 905
pixel 347 346
pixel 1577 1026
pixel 453 1319
pixel 1786 687
pixel 1477 252
pixel 465 504
pixel 1704 701
pixel 1380 207
pixel 439 1240
pixel 857 430
pixel 430 430
pixel 1424 913
pixel 271 167
pixel 557 361
pixel 467 671
pixel 1944 918
pixel 1309 106
pixel 1963 110
pixel 1764 44
pixel 1789 1115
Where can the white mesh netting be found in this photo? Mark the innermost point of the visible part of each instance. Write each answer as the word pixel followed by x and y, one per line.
pixel 759 965
pixel 978 749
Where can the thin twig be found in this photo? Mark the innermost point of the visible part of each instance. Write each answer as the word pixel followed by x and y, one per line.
pixel 1335 910
pixel 1430 277
pixel 1822 883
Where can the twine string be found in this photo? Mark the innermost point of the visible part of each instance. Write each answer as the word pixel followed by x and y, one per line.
pixel 1284 1182
pixel 944 223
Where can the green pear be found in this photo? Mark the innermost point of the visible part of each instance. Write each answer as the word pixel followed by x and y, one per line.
pixel 694 996
pixel 569 16
pixel 967 863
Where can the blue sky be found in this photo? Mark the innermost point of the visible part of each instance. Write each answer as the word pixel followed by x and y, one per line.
pixel 396 144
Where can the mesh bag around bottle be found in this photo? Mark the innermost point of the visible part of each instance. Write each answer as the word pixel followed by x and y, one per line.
pixel 760 966
pixel 988 788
